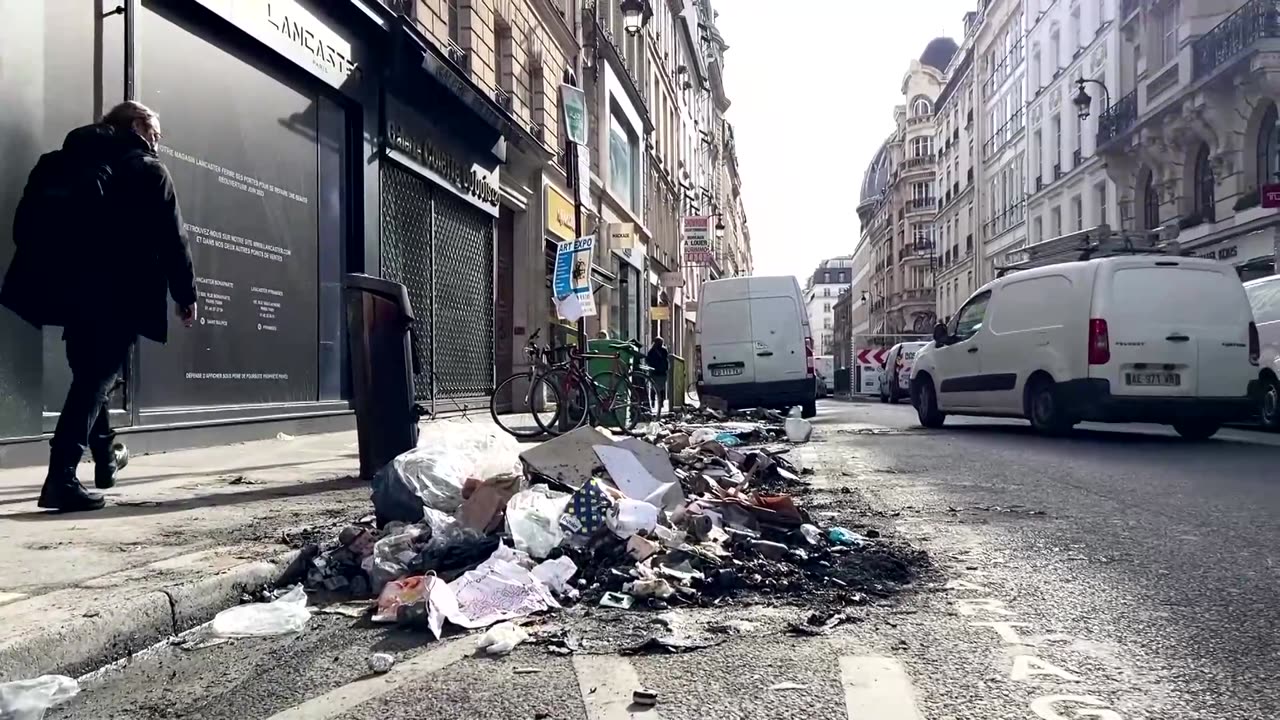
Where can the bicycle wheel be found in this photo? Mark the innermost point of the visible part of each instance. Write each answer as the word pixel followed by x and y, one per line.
pixel 525 400
pixel 571 401
pixel 646 395
pixel 614 406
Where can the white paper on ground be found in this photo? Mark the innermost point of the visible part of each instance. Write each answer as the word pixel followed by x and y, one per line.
pixel 630 475
pixel 498 590
pixel 555 574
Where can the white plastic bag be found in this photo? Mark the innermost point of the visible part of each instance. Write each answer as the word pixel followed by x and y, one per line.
pixel 501 638
pixel 798 431
pixel 448 453
pixel 702 435
pixel 286 614
pixel 29 699
pixel 628 517
pixel 533 520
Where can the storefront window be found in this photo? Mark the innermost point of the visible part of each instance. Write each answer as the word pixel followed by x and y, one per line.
pixel 622 163
pixel 257 163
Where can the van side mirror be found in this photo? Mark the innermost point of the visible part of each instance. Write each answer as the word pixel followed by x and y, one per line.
pixel 940 334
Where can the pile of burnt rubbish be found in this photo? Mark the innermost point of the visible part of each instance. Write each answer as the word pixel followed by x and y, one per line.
pixel 700 512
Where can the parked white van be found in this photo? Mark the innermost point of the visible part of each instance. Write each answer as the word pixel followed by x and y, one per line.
pixel 1132 338
pixel 895 382
pixel 754 347
pixel 1264 296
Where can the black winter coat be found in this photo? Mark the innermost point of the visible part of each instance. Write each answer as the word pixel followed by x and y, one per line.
pixel 144 257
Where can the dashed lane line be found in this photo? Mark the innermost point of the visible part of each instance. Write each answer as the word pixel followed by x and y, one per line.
pixel 607 695
pixel 340 702
pixel 877 688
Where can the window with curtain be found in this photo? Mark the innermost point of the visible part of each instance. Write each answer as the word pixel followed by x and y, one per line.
pixel 622 163
pixel 1204 185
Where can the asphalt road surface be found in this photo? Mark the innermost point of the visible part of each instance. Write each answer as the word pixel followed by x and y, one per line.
pixel 1118 574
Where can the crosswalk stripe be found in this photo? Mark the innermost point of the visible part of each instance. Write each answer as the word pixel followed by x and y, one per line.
pixel 877 688
pixel 606 683
pixel 339 702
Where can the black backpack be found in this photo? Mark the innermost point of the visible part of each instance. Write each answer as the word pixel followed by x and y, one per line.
pixel 57 229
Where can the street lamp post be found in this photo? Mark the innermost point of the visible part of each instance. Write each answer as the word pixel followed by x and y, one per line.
pixel 635 15
pixel 1083 101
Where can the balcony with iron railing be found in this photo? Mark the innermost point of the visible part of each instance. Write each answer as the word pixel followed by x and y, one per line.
pixel 1077 157
pixel 919 119
pixel 920 163
pixel 928 204
pixel 1243 30
pixel 1118 119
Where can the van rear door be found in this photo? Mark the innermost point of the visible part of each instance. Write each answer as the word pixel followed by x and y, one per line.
pixel 778 329
pixel 1176 328
pixel 728 350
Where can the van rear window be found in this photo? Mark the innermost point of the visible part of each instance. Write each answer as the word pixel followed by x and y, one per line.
pixel 725 321
pixel 1178 295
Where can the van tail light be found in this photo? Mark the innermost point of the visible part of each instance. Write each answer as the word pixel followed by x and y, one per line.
pixel 808 356
pixel 697 360
pixel 1255 345
pixel 1099 342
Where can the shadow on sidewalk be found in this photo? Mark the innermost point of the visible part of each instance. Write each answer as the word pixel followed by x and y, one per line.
pixel 138 508
pixel 29 492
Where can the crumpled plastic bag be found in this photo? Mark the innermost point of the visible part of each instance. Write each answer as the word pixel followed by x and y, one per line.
pixel 798 430
pixel 29 699
pixel 286 614
pixel 432 475
pixel 501 638
pixel 393 554
pixel 533 520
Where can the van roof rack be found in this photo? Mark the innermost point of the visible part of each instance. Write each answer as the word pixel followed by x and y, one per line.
pixel 1093 243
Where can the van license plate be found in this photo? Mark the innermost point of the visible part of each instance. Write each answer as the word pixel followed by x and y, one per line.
pixel 723 371
pixel 1153 379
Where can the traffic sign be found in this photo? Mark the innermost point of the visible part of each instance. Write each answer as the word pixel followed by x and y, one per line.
pixel 871 356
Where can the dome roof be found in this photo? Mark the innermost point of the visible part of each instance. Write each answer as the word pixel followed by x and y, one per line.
pixel 938 53
pixel 876 179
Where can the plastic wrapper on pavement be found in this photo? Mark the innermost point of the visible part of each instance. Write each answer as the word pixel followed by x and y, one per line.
pixel 30 699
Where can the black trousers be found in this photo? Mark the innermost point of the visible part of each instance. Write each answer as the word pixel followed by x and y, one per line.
pixel 97 356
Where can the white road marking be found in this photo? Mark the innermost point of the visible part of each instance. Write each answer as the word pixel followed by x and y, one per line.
pixel 1045 708
pixel 877 688
pixel 340 702
pixel 963 585
pixel 1005 630
pixel 1026 667
pixel 8 597
pixel 606 683
pixel 974 606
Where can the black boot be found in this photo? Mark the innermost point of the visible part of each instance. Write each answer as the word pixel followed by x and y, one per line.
pixel 64 493
pixel 106 463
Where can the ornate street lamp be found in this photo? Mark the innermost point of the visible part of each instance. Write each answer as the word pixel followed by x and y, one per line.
pixel 719 228
pixel 1082 101
pixel 635 14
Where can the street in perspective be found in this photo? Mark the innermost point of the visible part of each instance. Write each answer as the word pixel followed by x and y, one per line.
pixel 390 359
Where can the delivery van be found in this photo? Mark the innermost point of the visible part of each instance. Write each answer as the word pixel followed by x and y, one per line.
pixel 754 347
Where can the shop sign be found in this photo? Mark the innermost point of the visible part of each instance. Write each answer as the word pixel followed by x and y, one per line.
pixel 560 217
pixel 659 312
pixel 571 279
pixel 624 240
pixel 671 279
pixel 1271 195
pixel 297 32
pixel 574 102
pixel 583 174
pixel 1229 252
pixel 696 233
pixel 472 180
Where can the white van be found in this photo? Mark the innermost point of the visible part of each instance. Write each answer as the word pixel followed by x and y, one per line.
pixel 895 382
pixel 1264 296
pixel 1132 338
pixel 754 348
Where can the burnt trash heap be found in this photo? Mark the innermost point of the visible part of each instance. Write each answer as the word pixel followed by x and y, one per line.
pixel 701 511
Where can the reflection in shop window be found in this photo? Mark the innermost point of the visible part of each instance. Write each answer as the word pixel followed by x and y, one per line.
pixel 622 163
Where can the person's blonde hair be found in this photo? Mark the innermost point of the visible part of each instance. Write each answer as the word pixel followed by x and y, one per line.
pixel 124 115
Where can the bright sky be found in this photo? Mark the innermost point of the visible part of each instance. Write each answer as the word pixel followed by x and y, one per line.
pixel 813 88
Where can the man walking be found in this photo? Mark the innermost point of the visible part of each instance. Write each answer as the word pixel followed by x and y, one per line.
pixel 659 361
pixel 119 276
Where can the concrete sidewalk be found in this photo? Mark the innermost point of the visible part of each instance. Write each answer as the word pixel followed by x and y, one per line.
pixel 183 535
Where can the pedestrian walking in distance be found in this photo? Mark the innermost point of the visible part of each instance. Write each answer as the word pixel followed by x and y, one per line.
pixel 659 361
pixel 98 246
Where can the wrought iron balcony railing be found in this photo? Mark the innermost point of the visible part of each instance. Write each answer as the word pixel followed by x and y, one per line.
pixel 916 204
pixel 1118 119
pixel 1255 20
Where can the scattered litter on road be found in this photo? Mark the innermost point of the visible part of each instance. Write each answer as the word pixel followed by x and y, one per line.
pixel 29 699
pixel 286 614
pixel 381 663
pixel 526 670
pixel 501 639
pixel 788 686
pixel 703 510
pixel 200 643
pixel 354 609
pixel 644 698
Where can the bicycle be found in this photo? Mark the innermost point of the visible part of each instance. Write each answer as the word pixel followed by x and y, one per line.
pixel 606 396
pixel 533 400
